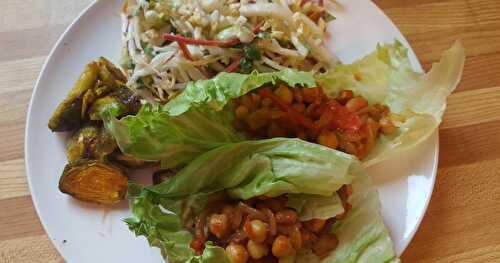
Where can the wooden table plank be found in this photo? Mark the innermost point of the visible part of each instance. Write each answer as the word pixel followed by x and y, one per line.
pixel 461 224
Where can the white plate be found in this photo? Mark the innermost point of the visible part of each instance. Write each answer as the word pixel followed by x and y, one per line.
pixel 90 233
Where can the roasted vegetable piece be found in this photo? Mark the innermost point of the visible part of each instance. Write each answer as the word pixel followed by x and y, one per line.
pixel 87 100
pixel 94 181
pixel 90 142
pixel 109 74
pixel 120 102
pixel 67 115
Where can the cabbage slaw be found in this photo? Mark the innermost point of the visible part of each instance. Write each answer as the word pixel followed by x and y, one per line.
pixel 168 43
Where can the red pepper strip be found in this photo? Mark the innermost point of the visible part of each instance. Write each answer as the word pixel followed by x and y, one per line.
pixel 256 29
pixel 185 51
pixel 344 119
pixel 234 66
pixel 322 14
pixel 293 114
pixel 201 42
pixel 204 42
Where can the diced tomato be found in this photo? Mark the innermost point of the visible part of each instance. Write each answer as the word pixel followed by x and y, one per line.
pixel 343 118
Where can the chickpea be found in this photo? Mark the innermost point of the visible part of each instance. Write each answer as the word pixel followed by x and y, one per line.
pixel 236 253
pixel 287 259
pixel 257 250
pixel 219 225
pixel 357 103
pixel 259 119
pixel 315 225
pixel 299 107
pixel 256 99
pixel 349 147
pixel 307 236
pixel 387 126
pixel 276 114
pixel 246 100
pixel 285 94
pixel 328 139
pixel 241 112
pixel 256 230
pixel 325 244
pixel 311 110
pixel 286 216
pixel 295 237
pixel 282 247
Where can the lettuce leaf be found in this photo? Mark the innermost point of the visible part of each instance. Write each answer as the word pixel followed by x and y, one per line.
pixel 272 167
pixel 417 101
pixel 265 167
pixel 193 122
pixel 363 236
pixel 154 135
pixel 315 206
pixel 165 230
pixel 215 93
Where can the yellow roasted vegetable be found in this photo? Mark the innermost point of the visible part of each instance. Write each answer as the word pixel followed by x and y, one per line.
pixel 94 181
pixel 68 115
pixel 110 75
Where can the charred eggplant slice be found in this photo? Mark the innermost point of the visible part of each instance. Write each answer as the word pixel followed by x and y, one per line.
pixel 94 181
pixel 68 115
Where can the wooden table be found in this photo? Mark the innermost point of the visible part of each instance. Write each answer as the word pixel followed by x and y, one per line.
pixel 463 220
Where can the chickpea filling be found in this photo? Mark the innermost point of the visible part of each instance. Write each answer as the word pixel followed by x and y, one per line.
pixel 263 229
pixel 346 123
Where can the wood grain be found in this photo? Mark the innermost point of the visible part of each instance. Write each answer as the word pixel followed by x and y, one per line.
pixel 461 224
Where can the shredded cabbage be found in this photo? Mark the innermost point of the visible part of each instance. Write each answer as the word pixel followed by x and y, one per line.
pixel 289 34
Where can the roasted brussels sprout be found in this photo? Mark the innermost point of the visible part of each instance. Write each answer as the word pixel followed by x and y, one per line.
pixel 94 181
pixel 90 142
pixel 110 75
pixel 99 78
pixel 68 115
pixel 120 102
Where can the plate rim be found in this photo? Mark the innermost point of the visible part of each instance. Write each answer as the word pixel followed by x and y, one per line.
pixel 59 43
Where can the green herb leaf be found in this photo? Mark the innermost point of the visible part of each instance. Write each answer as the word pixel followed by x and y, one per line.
pixel 252 52
pixel 246 64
